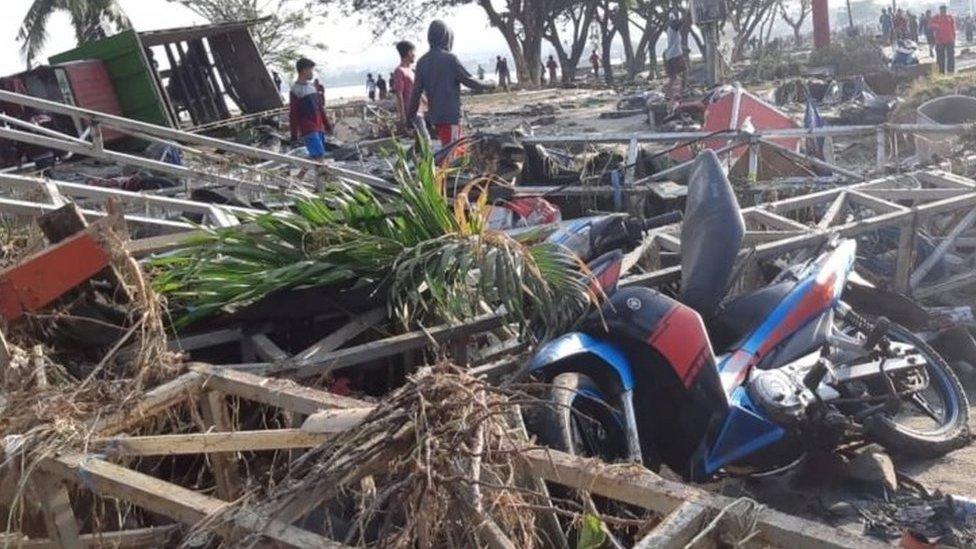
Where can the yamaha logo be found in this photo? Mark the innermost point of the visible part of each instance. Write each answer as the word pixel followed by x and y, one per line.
pixel 634 304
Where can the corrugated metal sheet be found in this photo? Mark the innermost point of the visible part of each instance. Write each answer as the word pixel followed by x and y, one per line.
pixel 135 84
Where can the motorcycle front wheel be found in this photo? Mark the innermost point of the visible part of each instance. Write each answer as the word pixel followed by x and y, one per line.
pixel 575 417
pixel 931 421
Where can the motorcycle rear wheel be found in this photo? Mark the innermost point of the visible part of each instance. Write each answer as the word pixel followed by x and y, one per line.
pixel 575 418
pixel 901 433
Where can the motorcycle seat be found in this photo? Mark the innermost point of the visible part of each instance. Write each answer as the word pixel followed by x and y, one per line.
pixel 740 316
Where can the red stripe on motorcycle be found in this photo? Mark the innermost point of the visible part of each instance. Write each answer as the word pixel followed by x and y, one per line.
pixel 681 338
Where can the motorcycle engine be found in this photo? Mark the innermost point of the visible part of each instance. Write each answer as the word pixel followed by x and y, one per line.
pixel 781 396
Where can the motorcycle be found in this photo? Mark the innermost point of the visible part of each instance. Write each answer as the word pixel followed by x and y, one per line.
pixel 709 384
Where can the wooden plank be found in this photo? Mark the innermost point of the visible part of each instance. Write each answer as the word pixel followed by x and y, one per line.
pixel 905 257
pixel 339 337
pixel 158 244
pixel 833 211
pixel 954 283
pixel 916 195
pixel 285 394
pixel 216 416
pixel 209 443
pixel 945 180
pixel 266 349
pixel 753 238
pixel 159 536
pixel 152 402
pixel 59 518
pixel 677 529
pixel 773 220
pixel 941 249
pixel 638 486
pixel 204 340
pixel 170 500
pixel 878 205
pixel 391 346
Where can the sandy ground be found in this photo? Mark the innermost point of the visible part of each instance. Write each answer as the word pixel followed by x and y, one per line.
pixel 554 111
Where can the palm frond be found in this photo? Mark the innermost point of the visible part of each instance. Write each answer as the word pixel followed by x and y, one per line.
pixel 437 258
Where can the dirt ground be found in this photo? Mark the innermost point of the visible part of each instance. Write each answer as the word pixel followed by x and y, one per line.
pixel 554 111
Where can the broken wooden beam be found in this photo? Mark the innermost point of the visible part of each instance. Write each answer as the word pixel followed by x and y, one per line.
pixel 173 501
pixel 209 443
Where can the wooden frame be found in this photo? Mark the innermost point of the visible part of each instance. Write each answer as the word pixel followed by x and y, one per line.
pixel 684 507
pixel 772 233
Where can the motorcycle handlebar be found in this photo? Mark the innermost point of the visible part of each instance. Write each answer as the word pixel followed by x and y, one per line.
pixel 662 220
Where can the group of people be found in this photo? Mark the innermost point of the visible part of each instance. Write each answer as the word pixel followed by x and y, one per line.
pixel 427 92
pixel 377 87
pixel 939 30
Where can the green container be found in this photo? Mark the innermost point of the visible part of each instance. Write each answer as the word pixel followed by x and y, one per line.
pixel 132 76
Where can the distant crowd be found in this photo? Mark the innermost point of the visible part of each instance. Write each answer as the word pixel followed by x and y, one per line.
pixel 939 30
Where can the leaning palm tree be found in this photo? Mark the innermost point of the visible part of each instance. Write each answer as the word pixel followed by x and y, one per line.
pixel 91 20
pixel 429 259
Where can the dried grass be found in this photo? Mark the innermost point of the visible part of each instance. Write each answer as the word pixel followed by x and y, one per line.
pixel 432 466
pixel 45 410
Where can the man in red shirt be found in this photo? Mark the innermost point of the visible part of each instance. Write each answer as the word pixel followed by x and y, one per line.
pixel 595 61
pixel 943 28
pixel 308 120
pixel 401 83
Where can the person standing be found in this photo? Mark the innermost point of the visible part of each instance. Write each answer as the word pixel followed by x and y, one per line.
pixel 503 73
pixel 381 86
pixel 925 24
pixel 370 87
pixel 901 25
pixel 912 26
pixel 944 29
pixel 886 23
pixel 552 66
pixel 970 25
pixel 481 72
pixel 402 83
pixel 595 61
pixel 307 116
pixel 674 60
pixel 440 75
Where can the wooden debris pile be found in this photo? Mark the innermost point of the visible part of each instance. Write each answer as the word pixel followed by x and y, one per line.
pixel 434 464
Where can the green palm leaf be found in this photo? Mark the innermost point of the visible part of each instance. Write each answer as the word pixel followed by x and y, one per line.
pixel 437 258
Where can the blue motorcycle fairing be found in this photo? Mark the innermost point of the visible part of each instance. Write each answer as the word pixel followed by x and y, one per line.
pixel 744 431
pixel 576 344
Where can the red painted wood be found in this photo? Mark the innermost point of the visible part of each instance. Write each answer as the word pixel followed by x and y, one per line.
pixel 37 281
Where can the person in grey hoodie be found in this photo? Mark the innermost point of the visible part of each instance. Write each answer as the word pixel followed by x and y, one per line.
pixel 439 75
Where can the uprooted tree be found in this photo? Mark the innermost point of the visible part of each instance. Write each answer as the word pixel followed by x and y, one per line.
pixel 281 38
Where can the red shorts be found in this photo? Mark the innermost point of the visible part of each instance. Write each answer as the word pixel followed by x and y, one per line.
pixel 448 133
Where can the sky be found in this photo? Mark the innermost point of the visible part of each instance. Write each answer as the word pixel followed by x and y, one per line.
pixel 350 43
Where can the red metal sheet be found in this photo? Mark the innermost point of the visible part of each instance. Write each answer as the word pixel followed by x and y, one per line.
pixel 92 89
pixel 719 116
pixel 37 281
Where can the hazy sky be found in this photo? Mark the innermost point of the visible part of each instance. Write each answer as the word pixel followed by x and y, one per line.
pixel 349 43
